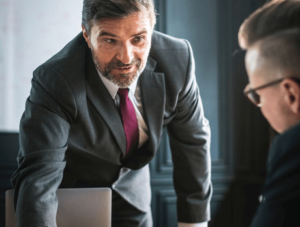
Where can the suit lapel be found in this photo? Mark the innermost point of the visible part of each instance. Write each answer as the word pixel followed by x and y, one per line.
pixel 103 102
pixel 152 86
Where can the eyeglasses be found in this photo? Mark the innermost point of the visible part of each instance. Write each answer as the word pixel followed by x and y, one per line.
pixel 254 97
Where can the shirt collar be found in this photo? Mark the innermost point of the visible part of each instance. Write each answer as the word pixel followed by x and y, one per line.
pixel 113 88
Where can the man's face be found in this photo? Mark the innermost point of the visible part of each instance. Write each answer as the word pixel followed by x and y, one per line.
pixel 271 98
pixel 120 47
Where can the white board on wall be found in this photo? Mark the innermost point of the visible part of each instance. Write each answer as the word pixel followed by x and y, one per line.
pixel 31 32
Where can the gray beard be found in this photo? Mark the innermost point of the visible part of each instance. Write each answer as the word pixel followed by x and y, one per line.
pixel 127 80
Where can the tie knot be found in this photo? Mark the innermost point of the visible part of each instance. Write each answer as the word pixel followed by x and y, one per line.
pixel 123 92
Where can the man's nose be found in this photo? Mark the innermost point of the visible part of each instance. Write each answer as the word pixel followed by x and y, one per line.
pixel 125 54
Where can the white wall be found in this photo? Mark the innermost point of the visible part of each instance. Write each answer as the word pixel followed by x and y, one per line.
pixel 31 31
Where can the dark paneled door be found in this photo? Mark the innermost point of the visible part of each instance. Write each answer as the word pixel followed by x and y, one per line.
pixel 240 135
pixel 197 22
pixel 9 147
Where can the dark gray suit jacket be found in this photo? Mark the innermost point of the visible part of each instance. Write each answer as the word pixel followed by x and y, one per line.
pixel 71 131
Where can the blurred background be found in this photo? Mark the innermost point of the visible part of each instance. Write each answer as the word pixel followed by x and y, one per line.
pixel 32 31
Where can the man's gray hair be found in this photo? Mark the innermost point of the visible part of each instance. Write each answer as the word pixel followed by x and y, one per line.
pixel 95 10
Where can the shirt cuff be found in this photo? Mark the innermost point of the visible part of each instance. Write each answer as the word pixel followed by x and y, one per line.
pixel 202 224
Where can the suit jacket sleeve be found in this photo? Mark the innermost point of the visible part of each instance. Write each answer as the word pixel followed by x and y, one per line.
pixel 189 135
pixel 44 131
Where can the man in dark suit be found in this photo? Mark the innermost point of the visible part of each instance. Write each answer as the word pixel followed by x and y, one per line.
pixel 271 37
pixel 96 114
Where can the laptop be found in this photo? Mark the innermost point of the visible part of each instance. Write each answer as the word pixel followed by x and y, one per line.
pixel 88 207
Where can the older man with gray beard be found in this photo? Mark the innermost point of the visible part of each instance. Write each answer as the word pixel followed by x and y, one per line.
pixel 97 112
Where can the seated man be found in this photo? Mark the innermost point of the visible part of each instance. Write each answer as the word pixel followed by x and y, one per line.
pixel 273 67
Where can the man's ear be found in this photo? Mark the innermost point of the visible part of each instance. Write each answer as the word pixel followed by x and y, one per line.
pixel 86 35
pixel 292 94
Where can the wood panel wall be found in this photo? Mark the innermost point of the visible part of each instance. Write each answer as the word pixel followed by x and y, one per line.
pixel 239 163
pixel 9 147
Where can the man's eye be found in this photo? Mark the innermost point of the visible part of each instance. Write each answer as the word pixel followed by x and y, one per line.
pixel 110 40
pixel 138 38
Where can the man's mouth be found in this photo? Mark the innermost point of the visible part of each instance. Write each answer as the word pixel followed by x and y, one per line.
pixel 125 68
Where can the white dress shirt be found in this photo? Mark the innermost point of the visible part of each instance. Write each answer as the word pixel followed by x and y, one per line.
pixel 134 95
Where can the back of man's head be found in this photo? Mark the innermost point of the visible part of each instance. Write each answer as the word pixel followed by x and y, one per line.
pixel 95 10
pixel 273 67
pixel 271 18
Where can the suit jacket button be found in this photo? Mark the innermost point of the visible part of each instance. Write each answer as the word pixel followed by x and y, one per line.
pixel 113 186
pixel 261 198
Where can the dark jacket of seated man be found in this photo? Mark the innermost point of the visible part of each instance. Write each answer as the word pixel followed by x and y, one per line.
pixel 281 191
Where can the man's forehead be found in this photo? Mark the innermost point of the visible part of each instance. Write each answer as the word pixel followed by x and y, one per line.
pixel 131 25
pixel 114 32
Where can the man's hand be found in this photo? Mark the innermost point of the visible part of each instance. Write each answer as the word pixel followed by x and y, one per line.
pixel 203 224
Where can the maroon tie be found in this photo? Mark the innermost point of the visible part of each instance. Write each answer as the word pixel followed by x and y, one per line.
pixel 130 123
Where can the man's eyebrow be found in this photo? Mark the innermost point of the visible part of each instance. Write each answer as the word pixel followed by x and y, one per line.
pixel 106 34
pixel 142 32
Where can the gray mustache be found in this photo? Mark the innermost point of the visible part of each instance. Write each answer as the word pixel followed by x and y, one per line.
pixel 121 64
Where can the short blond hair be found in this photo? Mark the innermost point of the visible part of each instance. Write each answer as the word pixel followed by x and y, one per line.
pixel 273 17
pixel 280 54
